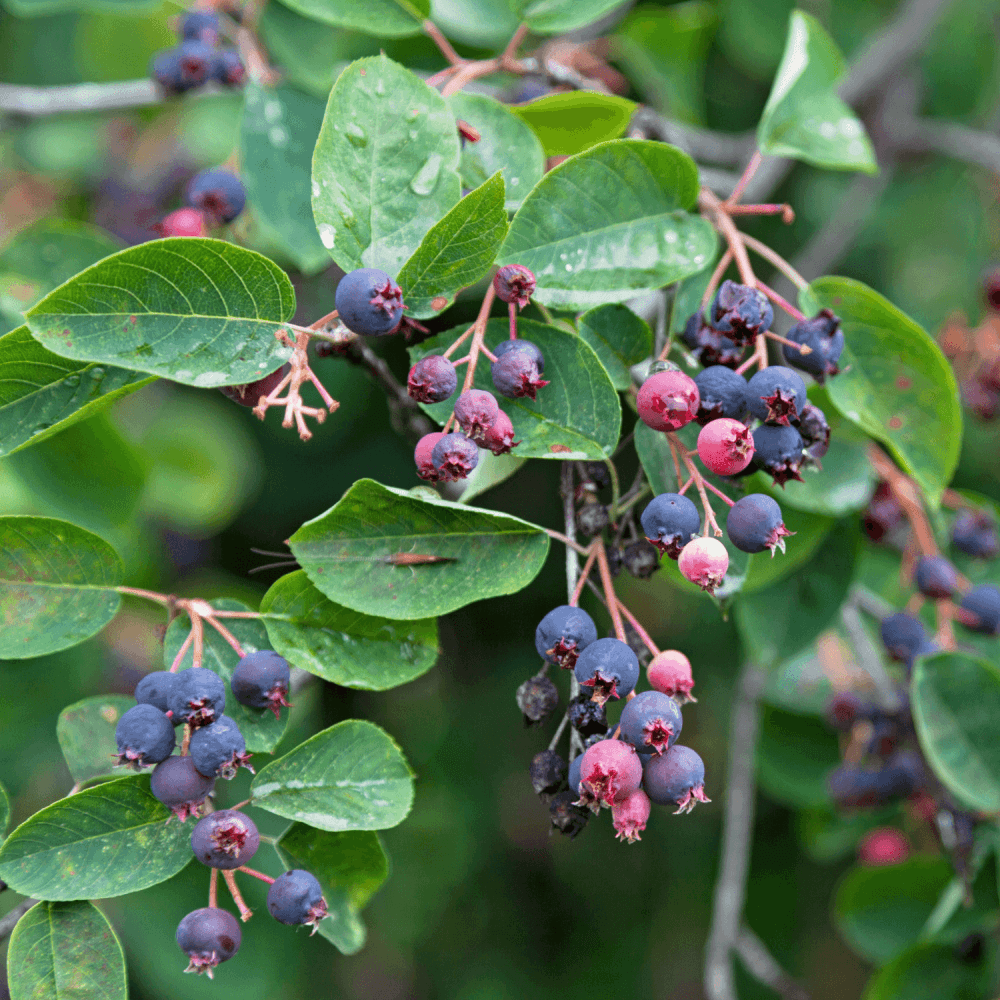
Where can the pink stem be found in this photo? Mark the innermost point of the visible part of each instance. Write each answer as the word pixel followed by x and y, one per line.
pixel 175 666
pixel 228 636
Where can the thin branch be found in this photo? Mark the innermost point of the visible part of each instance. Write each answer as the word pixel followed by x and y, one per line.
pixel 572 569
pixel 35 101
pixel 8 922
pixel 868 656
pixel 437 36
pixel 763 966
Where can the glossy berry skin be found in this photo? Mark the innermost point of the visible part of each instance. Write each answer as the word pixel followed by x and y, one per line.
pixel 208 936
pixel 218 750
pixel 198 698
pixel 261 680
pixel 670 673
pixel 228 68
pixel 454 457
pixel 722 393
pixel 587 717
pixel 631 815
pixel 506 346
pixel 754 523
pixel 608 668
pixel 884 846
pixel 667 401
pixel 249 395
pixel 225 839
pixel 296 897
pixel 369 302
pixel 475 411
pixel 609 771
pixel 514 284
pixel 904 637
pixel 183 222
pixel 676 778
pixel 669 522
pixel 563 634
pixel 154 689
pixel 936 577
pixel 975 534
pixel 822 334
pixel 144 736
pixel 704 562
pixel 218 193
pixel 982 603
pixel 201 26
pixel 777 395
pixel 815 431
pixel 651 721
pixel 178 785
pixel 422 456
pixel 548 772
pixel 709 346
pixel 725 446
pixel 740 312
pixel 778 451
pixel 516 375
pixel 432 379
pixel 500 436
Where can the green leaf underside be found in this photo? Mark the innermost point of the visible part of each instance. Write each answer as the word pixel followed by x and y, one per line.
pixel 105 841
pixel 66 951
pixel 930 972
pixel 956 708
pixel 198 311
pixel 609 223
pixel 456 252
pixel 619 338
pixel 568 123
pixel 260 728
pixel 42 393
pixel 804 118
pixel 86 734
pixel 896 385
pixel 341 550
pixel 350 867
pixel 576 416
pixel 56 585
pixel 553 17
pixel 506 144
pixel 341 645
pixel 385 167
pixel 385 18
pixel 491 471
pixel 351 776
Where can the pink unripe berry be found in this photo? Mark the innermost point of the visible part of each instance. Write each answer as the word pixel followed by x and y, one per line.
pixel 630 815
pixel 422 456
pixel 610 771
pixel 668 400
pixel 704 561
pixel 475 411
pixel 514 283
pixel 725 446
pixel 183 222
pixel 670 672
pixel 500 436
pixel 884 846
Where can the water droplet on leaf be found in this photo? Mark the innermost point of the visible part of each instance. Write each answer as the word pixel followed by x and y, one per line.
pixel 356 135
pixel 425 179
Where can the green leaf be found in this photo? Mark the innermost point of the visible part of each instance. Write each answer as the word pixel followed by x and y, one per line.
pixel 56 585
pixel 42 8
pixel 609 223
pixel 351 776
pixel 568 123
pixel 385 168
pixel 277 138
pixel 554 17
pixel 896 384
pixel 619 338
pixel 86 734
pixel 576 416
pixel 930 972
pixel 804 118
pixel 956 709
pixel 66 951
pixel 261 730
pixel 198 311
pixel 809 532
pixel 42 393
pixel 880 911
pixel 456 252
pixel 350 868
pixel 385 18
pixel 506 144
pixel 342 551
pixel 341 645
pixel 794 757
pixel 491 471
pixel 105 841
pixel 487 24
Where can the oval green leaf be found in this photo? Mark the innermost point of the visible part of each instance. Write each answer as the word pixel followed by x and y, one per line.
pixel 385 18
pixel 198 311
pixel 553 17
pixel 619 338
pixel 931 972
pixel 56 585
pixel 351 776
pixel 568 123
pixel 86 734
pixel 105 841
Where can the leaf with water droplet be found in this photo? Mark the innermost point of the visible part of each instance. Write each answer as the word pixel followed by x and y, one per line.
pixel 424 180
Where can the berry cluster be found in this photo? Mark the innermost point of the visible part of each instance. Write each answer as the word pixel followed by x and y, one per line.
pixel 212 198
pixel 197 59
pixel 975 353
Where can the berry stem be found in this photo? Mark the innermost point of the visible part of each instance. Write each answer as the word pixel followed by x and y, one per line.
pixel 719 493
pixel 198 633
pixel 186 742
pixel 185 646
pixel 256 874
pixel 685 487
pixel 801 348
pixel 699 482
pixel 583 550
pixel 584 574
pixel 745 178
pixel 559 731
pixel 479 331
pixel 234 890
pixel 609 589
pixel 461 361
pixel 908 495
pixel 227 635
pixel 785 210
pixel 458 343
pixel 640 631
pixel 781 302
pixel 775 258
pixel 434 33
pixel 677 465
pixel 720 269
pixel 213 888
pixel 509 54
pixel 237 614
pixel 150 595
pixel 512 314
pixel 441 75
pixel 709 202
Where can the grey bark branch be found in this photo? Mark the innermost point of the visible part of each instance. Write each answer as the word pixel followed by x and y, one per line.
pixel 763 966
pixel 9 920
pixel 35 101
pixel 407 417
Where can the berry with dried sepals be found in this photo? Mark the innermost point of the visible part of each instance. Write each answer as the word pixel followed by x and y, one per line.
pixel 218 193
pixel 670 672
pixel 754 523
pixel 883 513
pixel 537 699
pixel 722 393
pixel 183 222
pixel 296 897
pixel 548 772
pixel 651 721
pixel 422 456
pixel 982 607
pixel 563 634
pixel 225 839
pixel 616 559
pixel 936 577
pixel 587 717
pixel 609 668
pixel 904 637
pixel 610 771
pixel 708 345
pixel 597 473
pixel 201 25
pixel 725 446
pixel 592 519
pixel 475 411
pixel 432 379
pixel 454 456
pixel 668 400
pixel 740 312
pixel 823 336
pixel 228 68
pixel 250 394
pixel 144 736
pixel 975 534
pixel 165 69
pixel 631 815
pixel 641 559
pixel 533 351
pixel 704 562
pixel 778 451
pixel 178 785
pixel 198 698
pixel 669 522
pixel 369 302
pixel 815 432
pixel 514 283
pixel 516 375
pixel 261 680
pixel 566 816
pixel 208 936
pixel 676 777
pixel 777 395
pixel 500 436
pixel 154 689
pixel 219 750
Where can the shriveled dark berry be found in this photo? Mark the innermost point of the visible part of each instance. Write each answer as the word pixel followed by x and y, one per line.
pixel 296 897
pixel 567 817
pixel 432 379
pixel 548 772
pixel 615 559
pixel 815 432
pixel 537 698
pixel 592 519
pixel 208 936
pixel 823 336
pixel 641 559
pixel 514 283
pixel 740 312
pixel 709 346
pixel 587 717
pixel 225 839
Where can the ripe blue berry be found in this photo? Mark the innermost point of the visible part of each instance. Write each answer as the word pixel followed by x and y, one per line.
pixel 225 839
pixel 722 393
pixel 506 346
pixel 228 68
pixel 609 668
pixel 165 69
pixel 822 334
pixel 575 767
pixel 669 522
pixel 516 375
pixel 563 634
pixel 249 394
pixel 854 787
pixel 261 681
pixel 815 431
pixel 904 773
pixel 208 936
pixel 369 302
pixel 454 457
pixel 651 721
pixel 432 379
pixel 296 898
pixel 196 60
pixel 676 777
pixel 201 25
pixel 904 637
pixel 975 534
pixel 145 736
pixel 708 345
pixel 475 411
pixel 936 577
pixel 154 689
pixel 982 604
pixel 777 395
pixel 177 784
pixel 740 312
pixel 198 697
pixel 514 283
pixel 218 193
pixel 778 451
pixel 754 523
pixel 219 749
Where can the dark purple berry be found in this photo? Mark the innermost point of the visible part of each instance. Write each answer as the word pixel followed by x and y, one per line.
pixel 198 698
pixel 537 699
pixel 177 784
pixel 575 769
pixel 228 68
pixel 641 559
pixel 904 637
pixel 454 457
pixel 475 411
pixel 154 689
pixel 597 472
pixel 815 431
pixel 904 773
pixel 587 717
pixel 669 522
pixel 208 936
pixel 651 721
pixel 165 69
pixel 722 392
pixel 776 395
pixel 676 777
pixel 708 345
pixel 507 346
pixel 516 375
pixel 369 302
pixel 975 534
pixel 822 334
pixel 854 787
pixel 778 451
pixel 754 524
pixel 296 897
pixel 195 60
pixel 225 839
pixel 219 749
pixel 592 519
pixel 563 634
pixel 616 560
pixel 883 513
pixel 566 816
pixel 548 772
pixel 201 26
pixel 982 607
pixel 249 395
pixel 432 379
pixel 514 283
pixel 261 680
pixel 145 736
pixel 740 312
pixel 608 668
pixel 218 193
pixel 936 577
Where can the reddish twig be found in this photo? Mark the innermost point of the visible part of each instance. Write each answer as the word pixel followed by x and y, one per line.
pixel 178 659
pixel 234 890
pixel 640 631
pixel 213 888
pixel 609 589
pixel 781 302
pixel 435 34
pixel 745 178
pixel 256 874
pixel 584 573
pixel 227 635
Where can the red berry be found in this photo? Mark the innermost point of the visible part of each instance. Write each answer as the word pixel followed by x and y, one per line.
pixel 884 846
pixel 668 400
pixel 610 771
pixel 704 561
pixel 183 222
pixel 630 815
pixel 514 283
pixel 670 672
pixel 725 446
pixel 500 436
pixel 475 411
pixel 422 456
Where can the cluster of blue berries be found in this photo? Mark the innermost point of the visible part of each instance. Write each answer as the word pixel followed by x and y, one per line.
pixel 212 198
pixel 197 59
